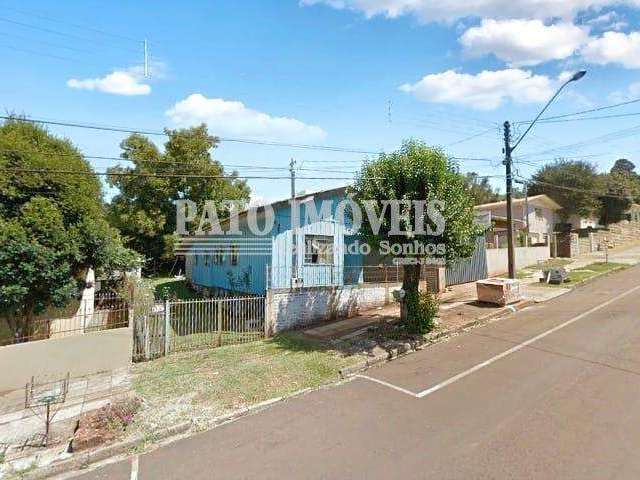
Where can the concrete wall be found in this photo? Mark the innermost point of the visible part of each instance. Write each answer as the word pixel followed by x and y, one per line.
pixel 525 256
pixel 77 355
pixel 289 309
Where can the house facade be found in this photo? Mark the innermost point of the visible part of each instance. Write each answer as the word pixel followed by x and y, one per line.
pixel 535 216
pixel 249 263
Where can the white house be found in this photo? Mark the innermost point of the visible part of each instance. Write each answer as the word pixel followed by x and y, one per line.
pixel 537 215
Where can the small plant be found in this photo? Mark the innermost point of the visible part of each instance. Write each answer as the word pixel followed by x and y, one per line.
pixel 423 309
pixel 119 415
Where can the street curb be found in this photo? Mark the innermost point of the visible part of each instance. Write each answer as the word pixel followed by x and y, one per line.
pixel 84 459
pixel 410 347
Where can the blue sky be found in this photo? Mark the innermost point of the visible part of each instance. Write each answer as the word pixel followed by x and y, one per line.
pixel 353 73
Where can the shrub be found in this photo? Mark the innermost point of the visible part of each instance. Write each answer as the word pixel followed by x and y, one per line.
pixel 422 308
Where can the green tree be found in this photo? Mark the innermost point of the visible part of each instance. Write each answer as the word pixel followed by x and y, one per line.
pixel 144 209
pixel 417 172
pixel 53 226
pixel 623 165
pixel 481 190
pixel 622 188
pixel 572 184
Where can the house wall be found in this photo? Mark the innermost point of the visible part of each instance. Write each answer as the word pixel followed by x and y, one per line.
pixel 250 275
pixel 538 225
pixel 290 309
pixel 497 258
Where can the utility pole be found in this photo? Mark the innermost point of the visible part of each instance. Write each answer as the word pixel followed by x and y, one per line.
pixel 294 222
pixel 508 150
pixel 146 58
pixel 511 252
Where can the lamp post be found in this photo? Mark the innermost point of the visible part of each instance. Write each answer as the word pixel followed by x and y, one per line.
pixel 508 150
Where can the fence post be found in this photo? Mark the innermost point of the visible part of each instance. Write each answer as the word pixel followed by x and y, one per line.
pixel 219 310
pixel 167 326
pixel 267 314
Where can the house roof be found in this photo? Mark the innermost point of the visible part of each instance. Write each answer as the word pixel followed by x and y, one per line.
pixel 543 200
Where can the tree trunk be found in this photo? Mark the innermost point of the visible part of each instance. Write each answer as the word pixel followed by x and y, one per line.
pixel 410 284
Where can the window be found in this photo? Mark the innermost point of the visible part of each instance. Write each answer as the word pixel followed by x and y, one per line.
pixel 234 255
pixel 218 256
pixel 538 212
pixel 206 260
pixel 318 249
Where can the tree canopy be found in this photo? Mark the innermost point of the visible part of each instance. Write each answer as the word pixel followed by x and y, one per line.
pixel 481 190
pixel 418 172
pixel 571 183
pixel 623 165
pixel 144 209
pixel 53 226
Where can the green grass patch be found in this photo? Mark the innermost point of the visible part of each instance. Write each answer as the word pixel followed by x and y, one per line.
pixel 588 271
pixel 529 271
pixel 169 287
pixel 235 376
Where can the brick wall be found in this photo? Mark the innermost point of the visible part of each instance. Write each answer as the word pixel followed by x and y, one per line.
pixel 290 309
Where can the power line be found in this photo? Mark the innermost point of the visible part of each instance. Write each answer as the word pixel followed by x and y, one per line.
pixel 74 25
pixel 63 34
pixel 329 148
pixel 574 189
pixel 592 110
pixel 476 135
pixel 608 137
pixel 163 175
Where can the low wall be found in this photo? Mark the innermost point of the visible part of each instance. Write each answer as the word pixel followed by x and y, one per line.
pixel 288 309
pixel 497 259
pixel 78 355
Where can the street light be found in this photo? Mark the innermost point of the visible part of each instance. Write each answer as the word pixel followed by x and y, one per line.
pixel 508 150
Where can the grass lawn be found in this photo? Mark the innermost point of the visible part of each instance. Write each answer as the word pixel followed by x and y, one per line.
pixel 527 272
pixel 588 271
pixel 235 376
pixel 170 287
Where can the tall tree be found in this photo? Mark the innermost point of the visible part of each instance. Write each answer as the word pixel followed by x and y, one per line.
pixel 573 184
pixel 417 172
pixel 53 226
pixel 481 190
pixel 144 209
pixel 623 165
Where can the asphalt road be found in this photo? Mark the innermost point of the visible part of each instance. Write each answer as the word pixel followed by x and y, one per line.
pixel 550 392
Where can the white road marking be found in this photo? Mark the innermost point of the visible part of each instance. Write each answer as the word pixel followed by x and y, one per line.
pixel 506 353
pixel 520 346
pixel 134 467
pixel 387 384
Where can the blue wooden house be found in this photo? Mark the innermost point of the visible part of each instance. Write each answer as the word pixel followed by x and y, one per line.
pixel 250 263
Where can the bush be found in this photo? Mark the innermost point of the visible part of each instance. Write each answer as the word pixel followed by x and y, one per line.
pixel 422 309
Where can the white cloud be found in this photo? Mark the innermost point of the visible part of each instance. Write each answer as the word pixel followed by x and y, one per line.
pixel 225 117
pixel 447 10
pixel 608 21
pixel 486 91
pixel 631 93
pixel 614 47
pixel 523 42
pixel 118 82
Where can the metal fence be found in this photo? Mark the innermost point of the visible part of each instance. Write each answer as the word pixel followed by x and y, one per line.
pixel 105 311
pixel 339 275
pixel 182 325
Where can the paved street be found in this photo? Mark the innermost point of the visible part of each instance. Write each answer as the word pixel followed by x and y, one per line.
pixel 550 392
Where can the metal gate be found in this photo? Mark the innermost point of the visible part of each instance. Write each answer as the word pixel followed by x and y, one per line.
pixel 469 269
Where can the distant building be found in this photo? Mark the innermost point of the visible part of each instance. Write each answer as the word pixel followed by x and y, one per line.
pixel 534 217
